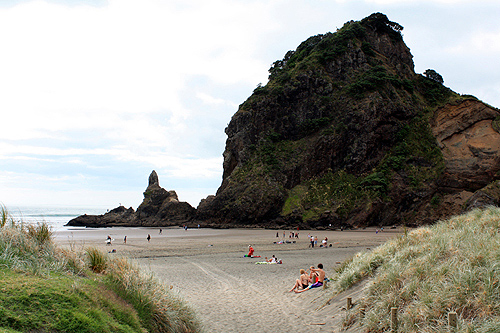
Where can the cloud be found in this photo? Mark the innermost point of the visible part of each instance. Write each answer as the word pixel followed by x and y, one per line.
pixel 99 93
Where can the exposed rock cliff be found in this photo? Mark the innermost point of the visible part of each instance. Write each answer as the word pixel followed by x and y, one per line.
pixel 159 208
pixel 346 133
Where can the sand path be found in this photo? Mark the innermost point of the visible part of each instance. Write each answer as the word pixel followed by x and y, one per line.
pixel 231 293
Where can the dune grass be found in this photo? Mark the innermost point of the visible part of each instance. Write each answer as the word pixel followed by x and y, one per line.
pixel 46 289
pixel 453 265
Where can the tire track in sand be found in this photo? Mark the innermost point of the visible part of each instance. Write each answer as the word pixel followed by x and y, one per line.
pixel 233 297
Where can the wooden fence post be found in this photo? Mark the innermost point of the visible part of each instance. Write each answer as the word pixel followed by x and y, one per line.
pixel 394 320
pixel 452 319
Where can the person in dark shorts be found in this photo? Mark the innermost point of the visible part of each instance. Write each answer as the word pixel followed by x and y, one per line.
pixel 320 273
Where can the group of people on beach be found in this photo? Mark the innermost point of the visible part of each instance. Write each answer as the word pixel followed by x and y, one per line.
pixel 314 241
pixel 314 279
pixel 291 235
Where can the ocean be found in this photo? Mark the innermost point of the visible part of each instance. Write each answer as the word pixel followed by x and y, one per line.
pixel 55 217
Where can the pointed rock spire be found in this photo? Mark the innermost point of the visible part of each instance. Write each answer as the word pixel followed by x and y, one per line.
pixel 153 179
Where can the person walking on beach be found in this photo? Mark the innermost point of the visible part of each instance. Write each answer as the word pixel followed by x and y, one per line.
pixel 315 272
pixel 125 240
pixel 160 231
pixel 148 238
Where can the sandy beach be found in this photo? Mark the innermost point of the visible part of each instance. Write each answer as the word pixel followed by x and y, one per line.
pixel 230 293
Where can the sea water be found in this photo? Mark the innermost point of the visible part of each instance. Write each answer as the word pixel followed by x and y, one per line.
pixel 55 216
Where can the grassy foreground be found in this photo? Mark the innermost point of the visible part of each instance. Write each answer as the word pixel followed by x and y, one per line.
pixel 47 289
pixel 453 265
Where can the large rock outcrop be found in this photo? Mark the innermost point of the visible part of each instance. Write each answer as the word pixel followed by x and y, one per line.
pixel 159 208
pixel 469 143
pixel 345 133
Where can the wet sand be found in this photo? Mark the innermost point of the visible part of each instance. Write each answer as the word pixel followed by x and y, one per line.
pixel 230 293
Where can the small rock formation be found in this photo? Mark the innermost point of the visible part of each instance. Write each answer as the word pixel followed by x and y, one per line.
pixel 487 196
pixel 120 216
pixel 159 208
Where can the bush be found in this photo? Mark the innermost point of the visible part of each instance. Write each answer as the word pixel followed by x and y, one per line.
pixel 98 261
pixel 40 232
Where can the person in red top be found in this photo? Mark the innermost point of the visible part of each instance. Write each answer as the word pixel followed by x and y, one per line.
pixel 250 251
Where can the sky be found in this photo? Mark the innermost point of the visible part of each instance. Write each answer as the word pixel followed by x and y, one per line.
pixel 96 94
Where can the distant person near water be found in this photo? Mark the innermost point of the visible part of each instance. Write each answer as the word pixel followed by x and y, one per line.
pixel 148 238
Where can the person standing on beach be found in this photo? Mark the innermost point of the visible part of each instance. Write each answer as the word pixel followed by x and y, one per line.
pixel 125 240
pixel 320 273
pixel 160 231
pixel 148 238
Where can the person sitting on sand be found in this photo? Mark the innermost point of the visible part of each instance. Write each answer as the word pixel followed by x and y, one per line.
pixel 321 277
pixel 250 251
pixel 302 281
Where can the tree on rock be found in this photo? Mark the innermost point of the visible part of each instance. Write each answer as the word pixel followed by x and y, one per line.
pixel 433 75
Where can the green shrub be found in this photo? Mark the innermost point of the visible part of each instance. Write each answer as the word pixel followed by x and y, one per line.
pixel 338 192
pixel 98 261
pixel 40 232
pixel 496 124
pixel 310 126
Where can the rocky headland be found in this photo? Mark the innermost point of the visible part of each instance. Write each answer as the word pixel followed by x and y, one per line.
pixel 159 208
pixel 344 134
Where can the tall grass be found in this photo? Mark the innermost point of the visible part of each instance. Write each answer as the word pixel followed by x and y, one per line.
pixel 163 311
pixel 5 217
pixel 30 249
pixel 98 261
pixel 451 266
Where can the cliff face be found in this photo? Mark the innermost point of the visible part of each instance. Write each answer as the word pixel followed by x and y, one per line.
pixel 345 133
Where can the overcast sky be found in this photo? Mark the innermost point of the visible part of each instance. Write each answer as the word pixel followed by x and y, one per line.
pixel 96 94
